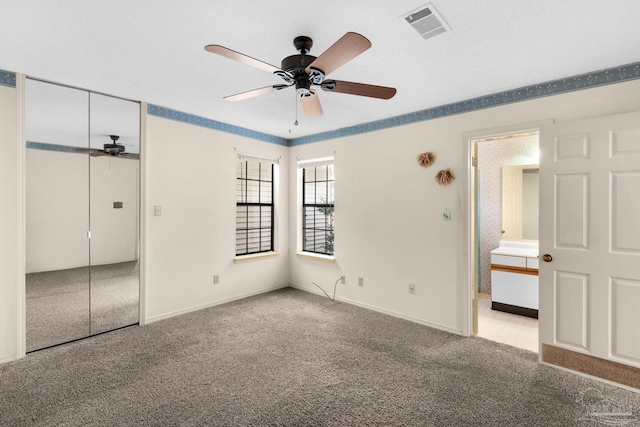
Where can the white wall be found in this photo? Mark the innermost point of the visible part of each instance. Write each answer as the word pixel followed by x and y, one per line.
pixel 388 209
pixel 191 173
pixel 8 222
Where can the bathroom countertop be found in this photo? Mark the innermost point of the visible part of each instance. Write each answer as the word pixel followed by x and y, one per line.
pixel 523 248
pixel 529 253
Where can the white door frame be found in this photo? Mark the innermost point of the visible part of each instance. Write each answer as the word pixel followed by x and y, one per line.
pixel 21 312
pixel 468 243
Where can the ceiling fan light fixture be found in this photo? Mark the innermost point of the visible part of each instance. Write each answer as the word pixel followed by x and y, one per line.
pixel 303 92
pixel 113 149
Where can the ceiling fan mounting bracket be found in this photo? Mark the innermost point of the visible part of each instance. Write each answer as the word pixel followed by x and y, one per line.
pixel 316 76
pixel 328 85
pixel 303 44
pixel 285 76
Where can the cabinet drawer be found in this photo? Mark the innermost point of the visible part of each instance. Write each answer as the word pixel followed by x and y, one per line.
pixel 512 261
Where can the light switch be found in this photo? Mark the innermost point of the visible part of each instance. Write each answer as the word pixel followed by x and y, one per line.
pixel 157 210
pixel 446 215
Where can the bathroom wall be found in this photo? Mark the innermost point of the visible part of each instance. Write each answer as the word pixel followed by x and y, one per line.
pixel 493 154
pixel 530 203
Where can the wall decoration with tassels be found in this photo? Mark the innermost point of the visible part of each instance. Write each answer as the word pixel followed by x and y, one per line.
pixel 426 159
pixel 445 177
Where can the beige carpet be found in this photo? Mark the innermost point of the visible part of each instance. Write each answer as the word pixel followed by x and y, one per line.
pixel 291 358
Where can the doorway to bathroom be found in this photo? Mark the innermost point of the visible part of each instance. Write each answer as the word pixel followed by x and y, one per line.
pixel 504 196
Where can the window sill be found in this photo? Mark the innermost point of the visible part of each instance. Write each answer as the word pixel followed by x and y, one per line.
pixel 317 257
pixel 255 257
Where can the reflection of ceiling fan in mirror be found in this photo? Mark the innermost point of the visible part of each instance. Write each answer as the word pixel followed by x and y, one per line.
pixel 112 149
pixel 304 71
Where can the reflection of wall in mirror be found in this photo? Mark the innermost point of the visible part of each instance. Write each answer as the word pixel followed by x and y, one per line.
pixel 113 231
pixel 493 154
pixel 57 210
pixel 520 202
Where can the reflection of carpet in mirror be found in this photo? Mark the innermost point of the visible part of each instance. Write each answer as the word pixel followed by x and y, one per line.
pixel 58 302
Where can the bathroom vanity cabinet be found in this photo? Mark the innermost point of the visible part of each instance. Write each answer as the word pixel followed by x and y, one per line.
pixel 514 278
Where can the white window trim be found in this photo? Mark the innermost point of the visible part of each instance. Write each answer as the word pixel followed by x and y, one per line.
pixel 275 161
pixel 331 259
pixel 255 257
pixel 300 253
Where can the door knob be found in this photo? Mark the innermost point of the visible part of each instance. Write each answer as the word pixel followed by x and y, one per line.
pixel 547 258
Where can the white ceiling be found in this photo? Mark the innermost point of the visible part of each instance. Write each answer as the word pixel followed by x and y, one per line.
pixel 153 51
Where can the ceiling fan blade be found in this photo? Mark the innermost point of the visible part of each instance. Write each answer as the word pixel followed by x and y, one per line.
pixel 311 104
pixel 237 56
pixel 93 152
pixel 344 50
pixel 255 92
pixel 361 89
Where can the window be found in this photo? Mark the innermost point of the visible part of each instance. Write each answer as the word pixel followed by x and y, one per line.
pixel 317 207
pixel 254 205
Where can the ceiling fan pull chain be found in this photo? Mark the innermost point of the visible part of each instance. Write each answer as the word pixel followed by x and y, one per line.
pixel 296 99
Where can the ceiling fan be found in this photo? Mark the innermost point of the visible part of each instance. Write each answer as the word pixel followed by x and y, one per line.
pixel 113 149
pixel 304 71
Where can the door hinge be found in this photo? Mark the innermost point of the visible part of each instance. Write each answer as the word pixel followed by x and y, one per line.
pixel 88 234
pixel 474 162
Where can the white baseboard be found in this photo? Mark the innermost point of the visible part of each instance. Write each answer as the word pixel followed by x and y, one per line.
pixel 210 304
pixel 7 360
pixel 384 311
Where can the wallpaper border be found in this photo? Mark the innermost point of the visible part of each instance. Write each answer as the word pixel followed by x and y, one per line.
pixel 570 84
pixel 555 87
pixel 51 147
pixel 7 78
pixel 179 116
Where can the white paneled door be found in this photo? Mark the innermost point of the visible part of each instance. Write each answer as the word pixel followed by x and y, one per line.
pixel 590 237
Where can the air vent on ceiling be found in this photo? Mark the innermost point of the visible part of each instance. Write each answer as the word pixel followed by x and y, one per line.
pixel 427 22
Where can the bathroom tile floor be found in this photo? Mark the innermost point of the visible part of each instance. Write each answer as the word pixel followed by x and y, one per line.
pixel 507 328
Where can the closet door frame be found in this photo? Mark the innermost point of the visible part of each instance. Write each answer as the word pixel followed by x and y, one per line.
pixel 21 330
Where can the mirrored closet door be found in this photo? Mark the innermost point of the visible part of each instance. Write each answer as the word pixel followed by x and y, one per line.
pixel 82 210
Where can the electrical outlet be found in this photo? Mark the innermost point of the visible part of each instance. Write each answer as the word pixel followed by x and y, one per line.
pixel 216 279
pixel 412 288
pixel 446 215
pixel 343 280
pixel 360 281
